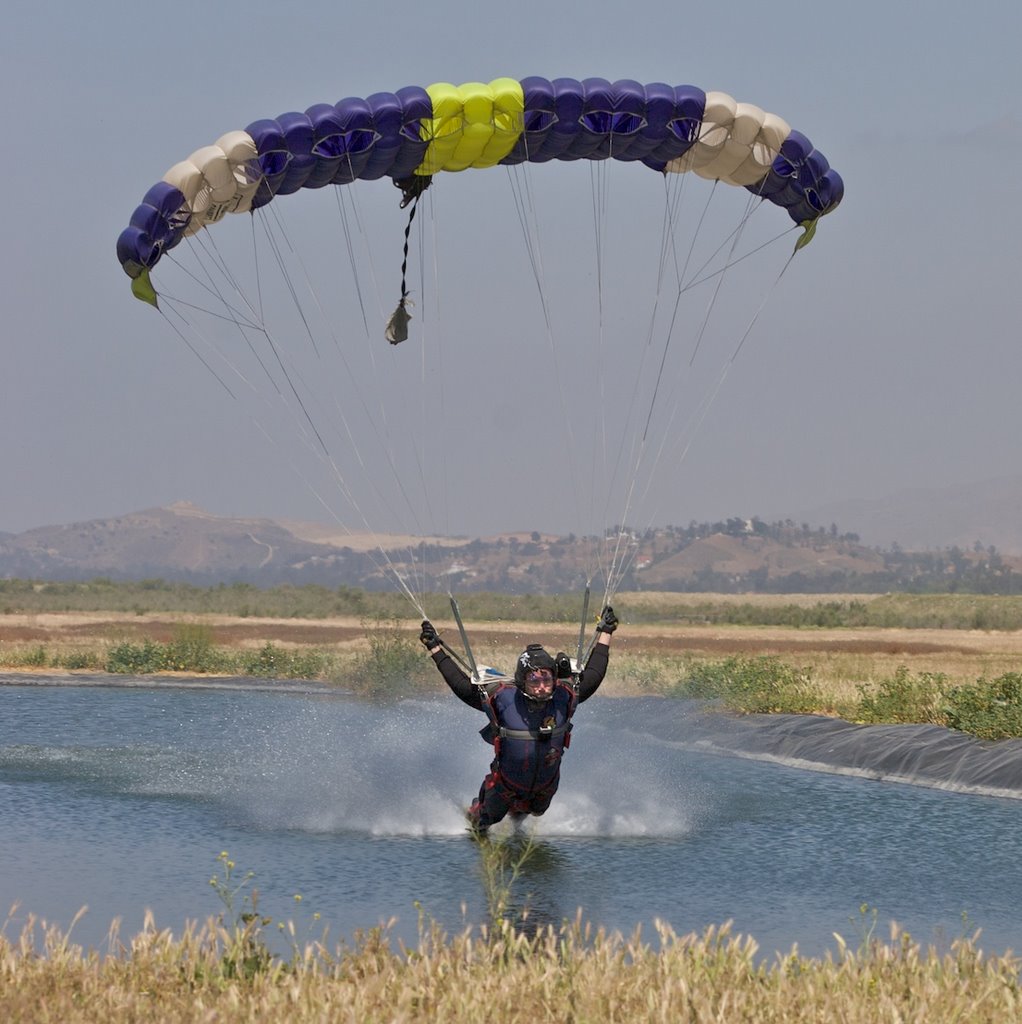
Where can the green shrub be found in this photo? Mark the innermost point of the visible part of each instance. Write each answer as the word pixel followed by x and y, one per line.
pixel 752 685
pixel 136 659
pixel 274 662
pixel 394 664
pixel 37 657
pixel 82 659
pixel 904 698
pixel 991 709
pixel 192 650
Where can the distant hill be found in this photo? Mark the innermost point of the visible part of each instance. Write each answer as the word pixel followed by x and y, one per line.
pixel 182 543
pixel 987 511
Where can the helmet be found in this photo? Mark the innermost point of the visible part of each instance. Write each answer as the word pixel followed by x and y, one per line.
pixel 532 658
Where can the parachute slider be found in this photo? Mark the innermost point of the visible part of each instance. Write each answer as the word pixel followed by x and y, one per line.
pixel 411 189
pixel 397 325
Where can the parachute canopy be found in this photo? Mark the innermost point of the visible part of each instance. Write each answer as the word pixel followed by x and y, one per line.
pixel 415 133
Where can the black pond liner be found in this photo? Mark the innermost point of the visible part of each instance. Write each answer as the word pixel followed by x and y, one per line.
pixel 919 755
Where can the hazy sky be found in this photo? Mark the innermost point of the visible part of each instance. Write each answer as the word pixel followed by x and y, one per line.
pixel 887 357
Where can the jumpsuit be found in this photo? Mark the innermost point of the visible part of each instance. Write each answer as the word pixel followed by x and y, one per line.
pixel 529 738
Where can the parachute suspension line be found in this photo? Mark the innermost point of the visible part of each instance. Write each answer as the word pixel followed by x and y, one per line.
pixel 519 180
pixel 282 266
pixel 291 376
pixel 762 306
pixel 276 351
pixel 205 241
pixel 598 187
pixel 386 436
pixel 584 623
pixel 438 321
pixel 195 352
pixel 710 275
pixel 336 471
pixel 673 191
pixel 232 316
pixel 623 551
pixel 438 472
pixel 692 428
pixel 683 287
pixel 525 209
pixel 342 212
pixel 235 316
pixel 338 476
pixel 623 558
pixel 296 384
pixel 520 183
pixel 345 194
pixel 681 272
pixel 735 238
pixel 383 433
pixel 256 266
pixel 184 304
pixel 353 445
pixel 384 563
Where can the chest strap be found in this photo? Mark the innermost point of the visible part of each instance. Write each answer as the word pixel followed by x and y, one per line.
pixel 534 734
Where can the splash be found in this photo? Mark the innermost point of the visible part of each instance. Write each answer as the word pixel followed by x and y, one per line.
pixel 412 768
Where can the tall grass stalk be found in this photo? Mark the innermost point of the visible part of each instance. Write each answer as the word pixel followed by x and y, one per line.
pixel 567 973
pixel 501 862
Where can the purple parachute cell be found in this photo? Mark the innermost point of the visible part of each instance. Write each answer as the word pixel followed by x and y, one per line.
pixel 562 119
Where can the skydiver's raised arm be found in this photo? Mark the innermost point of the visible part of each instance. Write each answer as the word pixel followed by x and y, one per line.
pixel 596 666
pixel 452 672
pixel 457 680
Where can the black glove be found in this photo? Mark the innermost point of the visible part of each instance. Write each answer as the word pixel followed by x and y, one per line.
pixel 608 621
pixel 428 637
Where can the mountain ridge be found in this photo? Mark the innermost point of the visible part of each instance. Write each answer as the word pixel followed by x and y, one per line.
pixel 183 542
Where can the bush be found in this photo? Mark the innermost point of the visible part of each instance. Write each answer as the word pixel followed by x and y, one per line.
pixel 136 659
pixel 81 659
pixel 37 657
pixel 275 662
pixel 904 698
pixel 991 709
pixel 753 685
pixel 192 650
pixel 394 664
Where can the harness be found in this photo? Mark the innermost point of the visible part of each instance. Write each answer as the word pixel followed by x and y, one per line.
pixel 536 768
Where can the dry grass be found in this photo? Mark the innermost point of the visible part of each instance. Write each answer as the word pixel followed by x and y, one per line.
pixel 644 655
pixel 502 974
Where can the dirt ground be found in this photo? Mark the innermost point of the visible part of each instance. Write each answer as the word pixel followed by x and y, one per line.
pixel 967 651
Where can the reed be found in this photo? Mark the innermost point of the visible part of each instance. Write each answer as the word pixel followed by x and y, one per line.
pixel 568 973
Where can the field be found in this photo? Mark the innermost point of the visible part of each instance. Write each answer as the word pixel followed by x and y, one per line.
pixel 662 632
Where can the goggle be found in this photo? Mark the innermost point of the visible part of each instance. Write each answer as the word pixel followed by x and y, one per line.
pixel 539 675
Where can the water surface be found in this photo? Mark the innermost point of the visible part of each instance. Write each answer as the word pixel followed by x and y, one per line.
pixel 121 798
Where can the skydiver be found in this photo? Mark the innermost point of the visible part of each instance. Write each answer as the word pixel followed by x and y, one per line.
pixel 530 722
